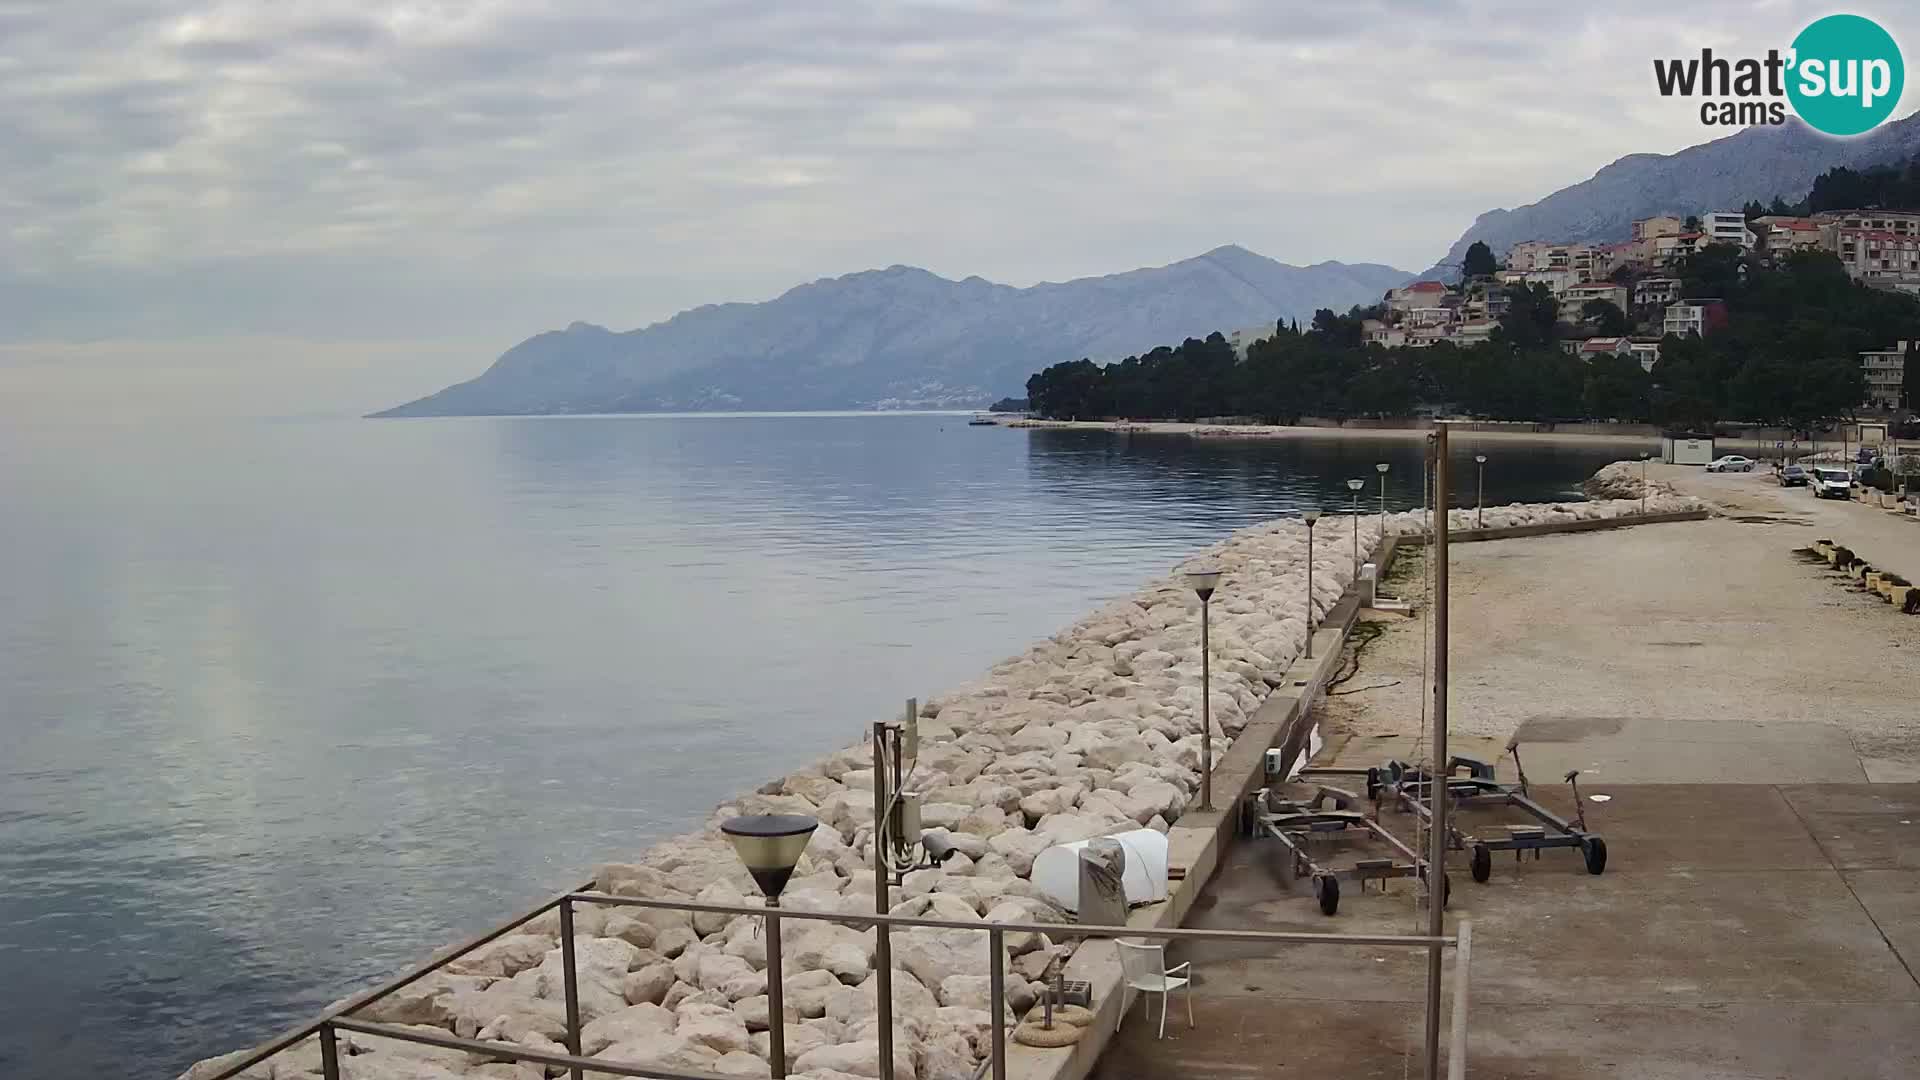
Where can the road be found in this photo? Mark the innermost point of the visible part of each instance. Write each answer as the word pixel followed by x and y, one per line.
pixel 1887 540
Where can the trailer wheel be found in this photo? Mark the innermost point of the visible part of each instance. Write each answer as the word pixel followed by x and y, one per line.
pixel 1482 863
pixel 1328 890
pixel 1373 785
pixel 1596 852
pixel 1446 887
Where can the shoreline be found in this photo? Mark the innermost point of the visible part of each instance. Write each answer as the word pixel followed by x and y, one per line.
pixel 1462 435
pixel 1091 731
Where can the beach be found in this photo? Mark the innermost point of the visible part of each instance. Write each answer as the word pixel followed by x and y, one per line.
pixel 1463 435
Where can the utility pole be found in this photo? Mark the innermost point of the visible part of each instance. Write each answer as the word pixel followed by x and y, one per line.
pixel 1437 777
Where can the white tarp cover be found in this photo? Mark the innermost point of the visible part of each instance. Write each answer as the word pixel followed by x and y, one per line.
pixel 1056 873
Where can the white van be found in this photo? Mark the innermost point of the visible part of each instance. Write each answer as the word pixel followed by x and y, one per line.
pixel 1831 483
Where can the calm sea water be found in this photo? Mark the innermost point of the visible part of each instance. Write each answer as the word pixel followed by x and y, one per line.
pixel 285 705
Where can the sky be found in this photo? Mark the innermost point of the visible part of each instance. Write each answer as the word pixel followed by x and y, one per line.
pixel 365 199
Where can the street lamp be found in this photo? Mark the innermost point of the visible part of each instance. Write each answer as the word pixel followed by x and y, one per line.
pixel 1480 493
pixel 1381 468
pixel 1310 517
pixel 1203 582
pixel 771 845
pixel 1643 481
pixel 1355 486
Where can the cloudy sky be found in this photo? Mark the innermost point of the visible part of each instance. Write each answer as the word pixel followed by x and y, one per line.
pixel 423 182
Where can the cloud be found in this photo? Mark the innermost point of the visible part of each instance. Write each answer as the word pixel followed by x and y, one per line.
pixel 433 169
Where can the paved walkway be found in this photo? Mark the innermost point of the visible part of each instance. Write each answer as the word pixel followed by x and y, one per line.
pixel 1754 724
pixel 1740 930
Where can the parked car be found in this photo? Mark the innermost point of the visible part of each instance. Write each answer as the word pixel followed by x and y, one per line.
pixel 1864 456
pixel 1834 483
pixel 1793 476
pixel 1730 463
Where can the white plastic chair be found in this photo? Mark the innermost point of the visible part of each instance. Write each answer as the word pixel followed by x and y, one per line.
pixel 1145 969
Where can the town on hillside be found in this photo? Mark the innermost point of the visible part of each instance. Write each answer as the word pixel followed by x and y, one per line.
pixel 1625 297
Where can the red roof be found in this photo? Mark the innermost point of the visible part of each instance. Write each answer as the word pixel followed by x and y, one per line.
pixel 1426 286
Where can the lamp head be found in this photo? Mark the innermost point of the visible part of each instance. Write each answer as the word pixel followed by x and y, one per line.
pixel 770 845
pixel 1356 485
pixel 1310 516
pixel 1480 459
pixel 1381 468
pixel 1203 581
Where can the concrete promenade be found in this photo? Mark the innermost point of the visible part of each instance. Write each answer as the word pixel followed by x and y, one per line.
pixel 1753 723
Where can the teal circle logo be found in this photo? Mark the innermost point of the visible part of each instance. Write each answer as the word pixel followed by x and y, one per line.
pixel 1846 75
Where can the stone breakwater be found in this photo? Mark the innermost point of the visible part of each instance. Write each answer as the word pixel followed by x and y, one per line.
pixel 1094 730
pixel 1621 480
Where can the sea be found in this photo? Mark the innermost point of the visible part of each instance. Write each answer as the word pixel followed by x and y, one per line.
pixel 285 704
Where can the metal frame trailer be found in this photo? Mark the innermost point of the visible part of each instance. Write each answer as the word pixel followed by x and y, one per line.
pixel 1295 823
pixel 1471 783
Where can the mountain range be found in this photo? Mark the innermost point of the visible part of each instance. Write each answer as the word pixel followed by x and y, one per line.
pixel 907 338
pixel 1756 163
pixel 896 338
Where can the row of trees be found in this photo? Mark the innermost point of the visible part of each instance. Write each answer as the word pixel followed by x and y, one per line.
pixel 1896 185
pixel 1789 356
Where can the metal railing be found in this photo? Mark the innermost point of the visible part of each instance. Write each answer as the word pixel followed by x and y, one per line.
pixel 340 1018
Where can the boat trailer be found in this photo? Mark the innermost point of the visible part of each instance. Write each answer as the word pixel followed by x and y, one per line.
pixel 1472 783
pixel 1295 823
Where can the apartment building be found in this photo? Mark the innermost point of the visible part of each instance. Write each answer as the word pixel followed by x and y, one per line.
pixel 1885 371
pixel 1576 295
pixel 1778 234
pixel 1727 227
pixel 1655 291
pixel 1700 316
pixel 1658 225
pixel 1878 256
pixel 1417 295
pixel 1669 249
pixel 1647 352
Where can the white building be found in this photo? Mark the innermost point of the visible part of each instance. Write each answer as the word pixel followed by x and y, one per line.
pixel 1727 227
pixel 1656 291
pixel 1694 317
pixel 1885 371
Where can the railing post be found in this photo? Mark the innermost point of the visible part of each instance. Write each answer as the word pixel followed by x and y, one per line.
pixel 1462 963
pixel 329 1054
pixel 882 900
pixel 997 1000
pixel 776 995
pixel 571 982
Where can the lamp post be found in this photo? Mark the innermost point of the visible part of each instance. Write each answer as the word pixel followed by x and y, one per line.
pixel 770 845
pixel 1643 481
pixel 1381 468
pixel 1480 493
pixel 1310 517
pixel 1203 582
pixel 1355 486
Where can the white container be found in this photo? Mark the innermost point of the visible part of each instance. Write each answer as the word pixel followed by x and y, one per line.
pixel 1056 872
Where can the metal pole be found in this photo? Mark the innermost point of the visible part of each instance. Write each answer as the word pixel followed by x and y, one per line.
pixel 570 982
pixel 997 1002
pixel 1356 532
pixel 1462 963
pixel 882 942
pixel 1480 498
pixel 776 994
pixel 329 1054
pixel 1383 506
pixel 1309 590
pixel 1643 483
pixel 1436 786
pixel 1206 709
